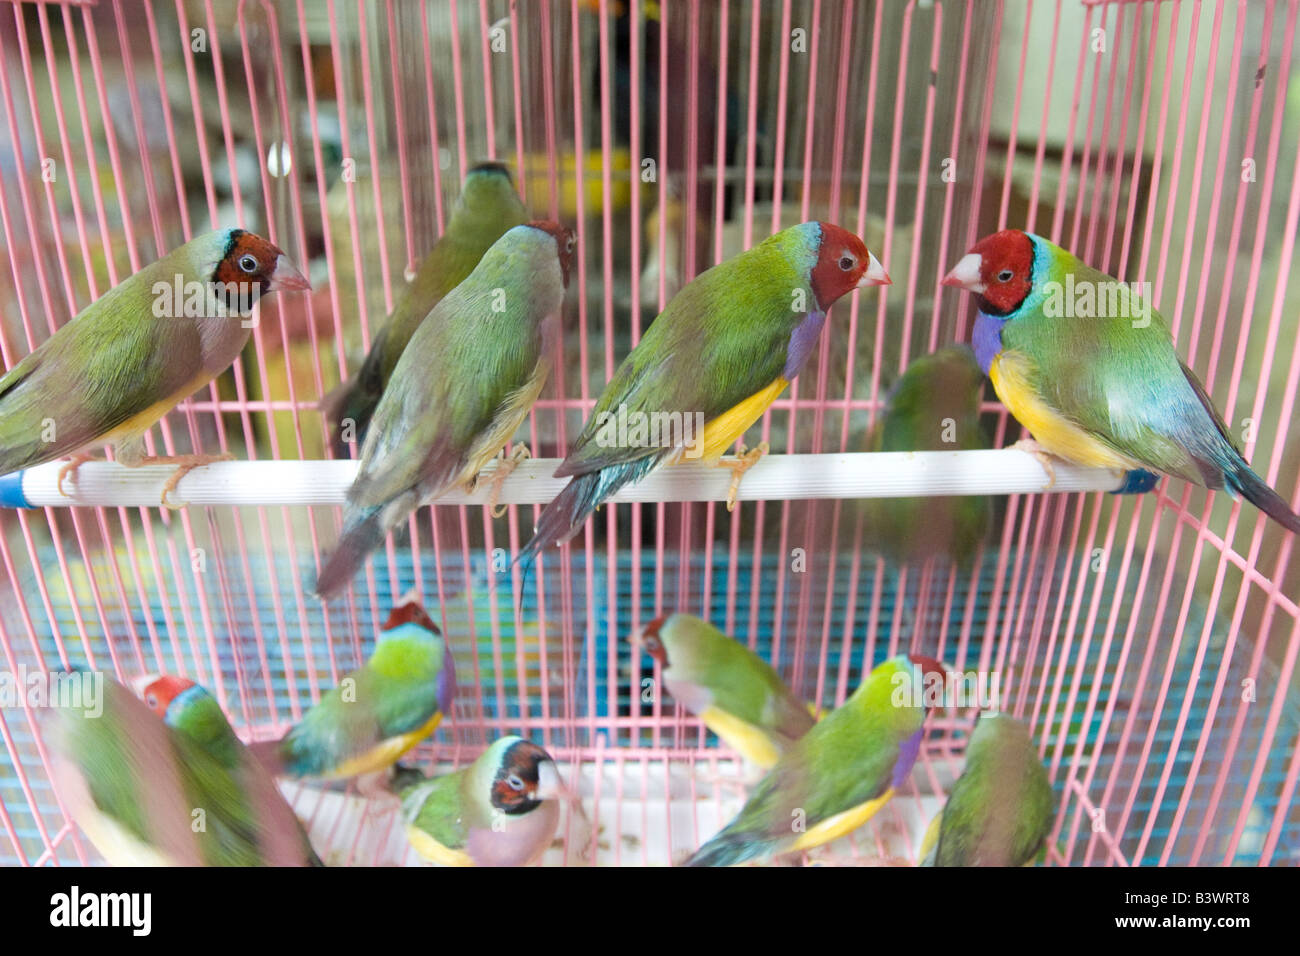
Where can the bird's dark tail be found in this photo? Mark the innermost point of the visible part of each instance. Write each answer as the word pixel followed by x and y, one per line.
pixel 570 508
pixel 363 532
pixel 564 515
pixel 1241 480
pixel 729 849
pixel 349 407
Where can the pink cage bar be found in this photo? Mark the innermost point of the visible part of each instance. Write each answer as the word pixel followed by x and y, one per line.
pixel 1149 641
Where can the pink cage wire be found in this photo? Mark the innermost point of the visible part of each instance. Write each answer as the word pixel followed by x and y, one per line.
pixel 1150 642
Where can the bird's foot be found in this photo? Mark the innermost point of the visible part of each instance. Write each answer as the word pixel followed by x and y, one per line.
pixel 743 461
pixel 71 469
pixel 508 464
pixel 1045 458
pixel 376 789
pixel 184 465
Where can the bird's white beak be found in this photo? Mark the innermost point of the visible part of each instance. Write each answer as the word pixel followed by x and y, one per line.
pixel 549 784
pixel 966 273
pixel 875 274
pixel 139 684
pixel 286 278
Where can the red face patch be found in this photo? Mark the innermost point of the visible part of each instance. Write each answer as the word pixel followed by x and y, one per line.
pixel 565 243
pixel 159 694
pixel 842 261
pixel 652 643
pixel 1006 269
pixel 249 260
pixel 410 613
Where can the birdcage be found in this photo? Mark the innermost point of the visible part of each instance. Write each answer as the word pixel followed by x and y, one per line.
pixel 1149 641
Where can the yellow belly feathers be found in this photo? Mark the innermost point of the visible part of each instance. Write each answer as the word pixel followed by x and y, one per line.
pixel 1053 431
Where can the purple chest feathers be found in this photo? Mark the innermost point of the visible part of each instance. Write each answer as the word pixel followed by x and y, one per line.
pixel 802 340
pixel 908 751
pixel 987 339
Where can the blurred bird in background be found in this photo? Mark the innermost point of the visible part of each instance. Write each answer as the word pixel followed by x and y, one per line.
pixel 731 689
pixel 1000 810
pixel 488 206
pixel 147 794
pixel 835 777
pixel 934 406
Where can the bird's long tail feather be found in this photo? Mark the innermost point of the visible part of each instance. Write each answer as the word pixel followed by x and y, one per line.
pixel 570 508
pixel 1241 480
pixel 363 532
pixel 729 849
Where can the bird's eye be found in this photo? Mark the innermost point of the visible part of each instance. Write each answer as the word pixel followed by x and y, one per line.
pixel 151 702
pixel 847 263
pixel 1005 275
pixel 515 782
pixel 651 644
pixel 248 263
pixel 568 245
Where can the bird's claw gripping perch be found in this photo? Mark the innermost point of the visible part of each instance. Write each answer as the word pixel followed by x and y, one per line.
pixel 184 465
pixel 508 464
pixel 1045 458
pixel 71 469
pixel 743 461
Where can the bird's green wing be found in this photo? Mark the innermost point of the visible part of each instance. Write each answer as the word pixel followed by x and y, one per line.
pixel 113 362
pixel 723 338
pixel 1119 379
pixel 1000 809
pixel 743 684
pixel 465 364
pixel 435 806
pixel 839 764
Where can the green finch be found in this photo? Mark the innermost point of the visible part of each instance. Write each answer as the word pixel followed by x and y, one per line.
pixel 148 794
pixel 487 207
pixel 1001 808
pixel 464 384
pixel 730 688
pixel 501 810
pixel 720 353
pixel 934 406
pixel 378 712
pixel 1084 363
pixel 129 357
pixel 837 775
pixel 189 708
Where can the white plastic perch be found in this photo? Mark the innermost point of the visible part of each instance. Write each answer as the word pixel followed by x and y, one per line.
pixel 852 475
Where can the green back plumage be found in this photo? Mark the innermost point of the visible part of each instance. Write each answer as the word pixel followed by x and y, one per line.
pixel 853 755
pixel 196 713
pixel 945 386
pixel 483 343
pixel 436 806
pixel 722 338
pixel 398 690
pixel 1001 808
pixel 734 678
pixel 1114 376
pixel 150 779
pixel 113 361
pixel 488 206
